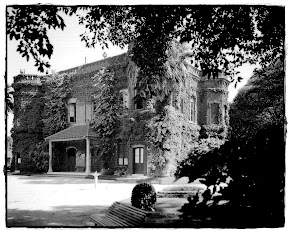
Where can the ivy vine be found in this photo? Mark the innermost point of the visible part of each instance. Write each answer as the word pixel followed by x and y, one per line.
pixel 106 120
pixel 55 114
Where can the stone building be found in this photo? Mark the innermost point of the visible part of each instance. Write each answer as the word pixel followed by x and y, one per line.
pixel 202 101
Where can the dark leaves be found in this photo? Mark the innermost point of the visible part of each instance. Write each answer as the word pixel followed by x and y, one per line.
pixel 223 37
pixel 29 24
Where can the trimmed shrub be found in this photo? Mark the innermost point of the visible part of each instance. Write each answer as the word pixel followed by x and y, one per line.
pixel 144 196
pixel 121 171
pixel 108 172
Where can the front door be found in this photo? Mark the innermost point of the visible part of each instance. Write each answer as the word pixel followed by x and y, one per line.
pixel 71 160
pixel 138 160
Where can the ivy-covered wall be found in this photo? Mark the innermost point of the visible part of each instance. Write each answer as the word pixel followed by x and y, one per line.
pixel 27 124
pixel 169 135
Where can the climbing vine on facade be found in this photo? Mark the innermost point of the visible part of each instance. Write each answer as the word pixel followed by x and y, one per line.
pixel 105 120
pixel 27 130
pixel 55 115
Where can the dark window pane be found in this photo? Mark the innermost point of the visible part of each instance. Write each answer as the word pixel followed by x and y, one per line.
pixel 214 113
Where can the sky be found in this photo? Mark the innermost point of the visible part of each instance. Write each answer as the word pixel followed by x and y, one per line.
pixel 70 51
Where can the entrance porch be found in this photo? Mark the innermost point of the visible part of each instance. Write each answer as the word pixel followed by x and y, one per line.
pixel 77 159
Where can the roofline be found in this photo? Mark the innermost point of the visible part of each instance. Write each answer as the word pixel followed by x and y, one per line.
pixel 88 64
pixel 68 139
pixel 47 138
pixel 87 135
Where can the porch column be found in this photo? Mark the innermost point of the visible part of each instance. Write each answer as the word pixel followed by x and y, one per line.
pixel 88 156
pixel 50 157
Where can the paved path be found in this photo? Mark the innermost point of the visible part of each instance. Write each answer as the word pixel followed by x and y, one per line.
pixel 43 201
pixel 37 201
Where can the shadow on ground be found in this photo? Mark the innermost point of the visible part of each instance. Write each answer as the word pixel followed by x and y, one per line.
pixel 60 216
pixel 39 179
pixel 78 216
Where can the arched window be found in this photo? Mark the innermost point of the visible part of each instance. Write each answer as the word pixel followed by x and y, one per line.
pixel 138 100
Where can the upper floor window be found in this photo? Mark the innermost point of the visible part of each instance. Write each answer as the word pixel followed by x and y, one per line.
pixel 192 110
pixel 182 105
pixel 174 100
pixel 138 100
pixel 94 104
pixel 17 122
pixel 72 110
pixel 124 98
pixel 214 113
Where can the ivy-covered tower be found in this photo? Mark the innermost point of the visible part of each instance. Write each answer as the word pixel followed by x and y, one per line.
pixel 27 123
pixel 213 106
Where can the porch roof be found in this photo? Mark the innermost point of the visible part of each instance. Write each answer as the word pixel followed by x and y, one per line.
pixel 76 132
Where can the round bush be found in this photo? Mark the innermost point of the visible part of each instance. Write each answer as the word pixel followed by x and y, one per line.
pixel 144 196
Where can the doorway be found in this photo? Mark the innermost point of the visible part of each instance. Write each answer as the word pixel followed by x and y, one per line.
pixel 138 154
pixel 71 160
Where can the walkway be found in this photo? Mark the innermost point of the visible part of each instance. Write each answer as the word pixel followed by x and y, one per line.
pixel 49 201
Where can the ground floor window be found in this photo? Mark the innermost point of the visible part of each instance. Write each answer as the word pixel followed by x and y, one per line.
pixel 122 155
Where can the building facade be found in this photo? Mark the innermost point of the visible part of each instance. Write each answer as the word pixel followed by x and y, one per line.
pixel 200 99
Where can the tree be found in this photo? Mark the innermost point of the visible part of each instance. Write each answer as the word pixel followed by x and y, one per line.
pixel 259 103
pixel 252 158
pixel 222 37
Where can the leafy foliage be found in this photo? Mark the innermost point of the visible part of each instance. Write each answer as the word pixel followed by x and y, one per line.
pixel 55 112
pixel 235 184
pixel 39 156
pixel 257 177
pixel 23 143
pixel 27 110
pixel 105 120
pixel 223 37
pixel 29 25
pixel 200 160
pixel 260 101
pixel 144 196
pixel 169 132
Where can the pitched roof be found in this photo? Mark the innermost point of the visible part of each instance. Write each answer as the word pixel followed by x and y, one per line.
pixel 90 67
pixel 76 132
